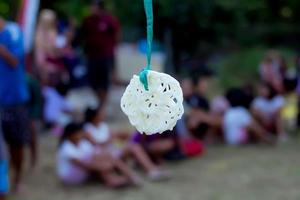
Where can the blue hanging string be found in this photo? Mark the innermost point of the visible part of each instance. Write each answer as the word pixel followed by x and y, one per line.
pixel 149 15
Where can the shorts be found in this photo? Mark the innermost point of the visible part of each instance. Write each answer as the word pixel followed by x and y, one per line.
pixel 100 73
pixel 15 125
pixel 4 183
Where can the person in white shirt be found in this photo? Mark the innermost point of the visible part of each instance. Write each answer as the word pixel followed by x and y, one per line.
pixel 57 109
pixel 98 129
pixel 77 160
pixel 267 109
pixel 238 124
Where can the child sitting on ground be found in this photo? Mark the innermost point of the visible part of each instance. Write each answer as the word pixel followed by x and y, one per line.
pixel 57 110
pixel 267 109
pixel 239 126
pixel 184 140
pixel 160 146
pixel 77 160
pixel 98 129
pixel 202 123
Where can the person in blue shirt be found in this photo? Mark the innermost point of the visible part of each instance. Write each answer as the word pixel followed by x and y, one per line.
pixel 13 96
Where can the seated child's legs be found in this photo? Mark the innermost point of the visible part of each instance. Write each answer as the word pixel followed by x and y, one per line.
pixel 104 165
pixel 258 133
pixel 127 172
pixel 154 145
pixel 112 180
pixel 81 169
pixel 103 162
pixel 140 155
pixel 279 127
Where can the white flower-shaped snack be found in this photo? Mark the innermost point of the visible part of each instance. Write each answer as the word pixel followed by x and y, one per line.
pixel 155 110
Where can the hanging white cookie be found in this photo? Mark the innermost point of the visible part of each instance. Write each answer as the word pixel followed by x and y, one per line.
pixel 157 109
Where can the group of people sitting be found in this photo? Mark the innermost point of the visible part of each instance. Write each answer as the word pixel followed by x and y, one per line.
pixel 238 117
pixel 92 148
pixel 241 116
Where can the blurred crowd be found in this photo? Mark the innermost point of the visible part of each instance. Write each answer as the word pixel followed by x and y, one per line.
pixel 66 56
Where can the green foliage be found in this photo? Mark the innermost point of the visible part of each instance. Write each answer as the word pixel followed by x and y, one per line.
pixel 218 22
pixel 75 8
pixel 4 8
pixel 130 12
pixel 9 8
pixel 242 66
pixel 239 67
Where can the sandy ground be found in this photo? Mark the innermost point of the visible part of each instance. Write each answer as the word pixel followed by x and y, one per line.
pixel 223 173
pixel 249 173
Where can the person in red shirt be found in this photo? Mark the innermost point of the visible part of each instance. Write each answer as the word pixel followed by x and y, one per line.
pixel 99 34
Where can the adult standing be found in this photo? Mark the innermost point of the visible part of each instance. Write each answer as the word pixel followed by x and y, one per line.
pixel 99 33
pixel 48 60
pixel 13 95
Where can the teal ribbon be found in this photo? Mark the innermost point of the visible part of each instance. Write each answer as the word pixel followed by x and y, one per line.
pixel 149 15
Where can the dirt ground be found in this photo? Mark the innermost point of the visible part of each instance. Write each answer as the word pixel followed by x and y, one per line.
pixel 223 173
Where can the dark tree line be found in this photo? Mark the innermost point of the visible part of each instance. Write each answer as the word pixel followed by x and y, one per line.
pixel 197 26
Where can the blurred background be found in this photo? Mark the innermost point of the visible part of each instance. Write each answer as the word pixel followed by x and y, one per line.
pixel 238 65
pixel 207 31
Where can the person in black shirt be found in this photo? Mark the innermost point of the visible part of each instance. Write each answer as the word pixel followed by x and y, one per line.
pixel 200 121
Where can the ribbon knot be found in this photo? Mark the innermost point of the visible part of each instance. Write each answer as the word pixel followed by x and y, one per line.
pixel 143 78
